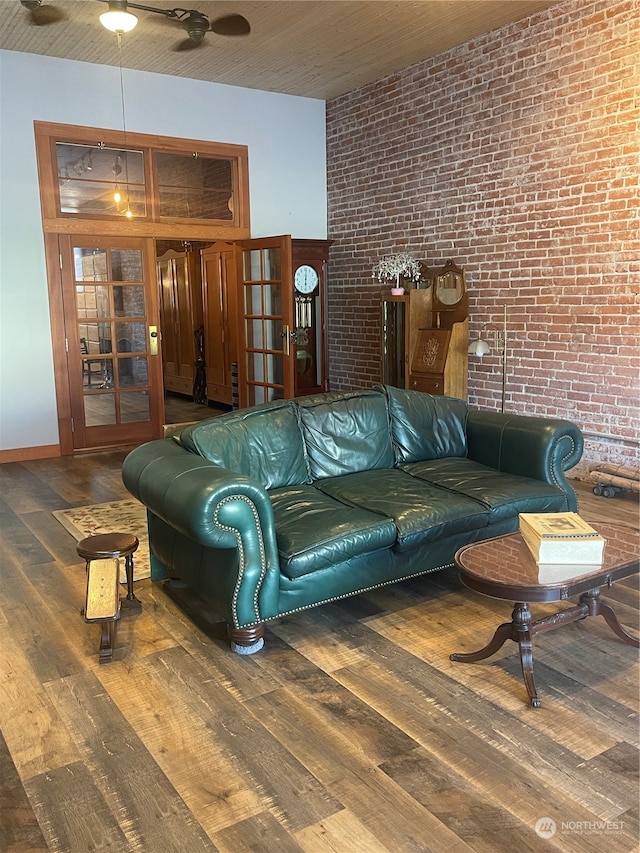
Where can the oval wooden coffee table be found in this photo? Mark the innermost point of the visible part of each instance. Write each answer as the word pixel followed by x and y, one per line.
pixel 504 568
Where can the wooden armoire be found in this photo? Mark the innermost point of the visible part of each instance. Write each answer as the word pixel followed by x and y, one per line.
pixel 181 315
pixel 219 298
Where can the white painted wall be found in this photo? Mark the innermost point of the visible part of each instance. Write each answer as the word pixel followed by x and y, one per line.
pixel 287 179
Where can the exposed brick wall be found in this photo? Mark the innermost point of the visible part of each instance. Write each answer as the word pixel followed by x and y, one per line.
pixel 517 156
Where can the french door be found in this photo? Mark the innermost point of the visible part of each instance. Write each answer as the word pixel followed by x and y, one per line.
pixel 266 363
pixel 110 308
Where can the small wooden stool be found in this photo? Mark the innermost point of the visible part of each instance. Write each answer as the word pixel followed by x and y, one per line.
pixel 101 554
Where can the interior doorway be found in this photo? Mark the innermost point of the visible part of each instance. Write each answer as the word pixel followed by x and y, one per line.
pixel 132 338
pixel 113 188
pixel 196 290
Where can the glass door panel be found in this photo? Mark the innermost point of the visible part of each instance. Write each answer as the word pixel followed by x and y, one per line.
pixel 266 365
pixel 115 385
pixel 128 300
pixel 100 409
pixel 134 408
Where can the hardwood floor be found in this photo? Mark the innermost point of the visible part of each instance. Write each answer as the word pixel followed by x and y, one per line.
pixel 179 409
pixel 351 731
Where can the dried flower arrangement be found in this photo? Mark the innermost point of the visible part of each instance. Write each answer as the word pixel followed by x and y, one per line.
pixel 394 267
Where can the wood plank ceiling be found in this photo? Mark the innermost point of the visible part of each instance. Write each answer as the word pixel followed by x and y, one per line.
pixel 313 48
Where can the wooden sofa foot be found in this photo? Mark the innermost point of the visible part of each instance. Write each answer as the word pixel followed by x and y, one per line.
pixel 246 641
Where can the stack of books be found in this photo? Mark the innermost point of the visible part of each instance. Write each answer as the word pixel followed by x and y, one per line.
pixel 562 544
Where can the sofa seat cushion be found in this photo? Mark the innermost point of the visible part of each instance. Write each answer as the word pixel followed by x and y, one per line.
pixel 420 511
pixel 504 495
pixel 315 531
pixel 345 432
pixel 263 442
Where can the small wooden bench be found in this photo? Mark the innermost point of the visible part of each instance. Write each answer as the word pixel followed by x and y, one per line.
pixel 103 602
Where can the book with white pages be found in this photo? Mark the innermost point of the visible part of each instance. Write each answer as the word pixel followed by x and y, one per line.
pixel 556 525
pixel 588 551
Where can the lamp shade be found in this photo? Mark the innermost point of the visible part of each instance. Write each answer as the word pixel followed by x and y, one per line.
pixel 117 18
pixel 479 347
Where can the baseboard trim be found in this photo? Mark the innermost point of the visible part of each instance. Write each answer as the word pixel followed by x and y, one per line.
pixel 26 454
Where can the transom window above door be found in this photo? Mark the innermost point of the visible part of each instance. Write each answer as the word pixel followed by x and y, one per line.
pixel 95 180
pixel 191 186
pixel 130 179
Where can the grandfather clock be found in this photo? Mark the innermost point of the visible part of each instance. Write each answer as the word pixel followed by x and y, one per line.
pixel 308 337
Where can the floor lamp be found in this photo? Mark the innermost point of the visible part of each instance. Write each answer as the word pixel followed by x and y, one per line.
pixel 491 338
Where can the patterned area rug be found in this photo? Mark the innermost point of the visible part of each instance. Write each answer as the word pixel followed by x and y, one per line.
pixel 128 516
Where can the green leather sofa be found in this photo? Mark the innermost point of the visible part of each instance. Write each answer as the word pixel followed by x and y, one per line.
pixel 291 504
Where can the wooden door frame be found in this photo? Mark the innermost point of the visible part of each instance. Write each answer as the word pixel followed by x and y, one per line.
pixel 58 338
pixel 61 334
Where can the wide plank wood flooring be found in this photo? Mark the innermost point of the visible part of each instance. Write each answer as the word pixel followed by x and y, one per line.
pixel 351 732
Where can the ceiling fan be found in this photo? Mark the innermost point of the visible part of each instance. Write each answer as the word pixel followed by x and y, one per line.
pixel 42 15
pixel 196 24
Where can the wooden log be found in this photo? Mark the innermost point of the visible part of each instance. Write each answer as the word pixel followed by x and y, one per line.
pixel 628 472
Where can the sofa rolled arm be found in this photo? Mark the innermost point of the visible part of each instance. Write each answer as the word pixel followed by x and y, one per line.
pixel 542 448
pixel 192 494
pixel 214 507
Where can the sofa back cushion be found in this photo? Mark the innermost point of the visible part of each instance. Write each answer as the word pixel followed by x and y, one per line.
pixel 346 432
pixel 425 426
pixel 263 442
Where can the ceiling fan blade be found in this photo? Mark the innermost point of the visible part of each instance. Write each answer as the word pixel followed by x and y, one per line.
pixel 231 25
pixel 188 44
pixel 41 15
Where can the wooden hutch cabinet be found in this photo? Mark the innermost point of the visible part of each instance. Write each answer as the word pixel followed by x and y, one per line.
pixel 425 335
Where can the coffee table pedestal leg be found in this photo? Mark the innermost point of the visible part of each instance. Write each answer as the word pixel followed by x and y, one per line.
pixel 522 630
pixel 521 618
pixel 518 630
pixel 593 605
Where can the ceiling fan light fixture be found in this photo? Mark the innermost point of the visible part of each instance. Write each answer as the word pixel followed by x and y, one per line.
pixel 117 18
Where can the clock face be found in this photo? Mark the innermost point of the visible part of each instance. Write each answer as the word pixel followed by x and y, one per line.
pixel 305 279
